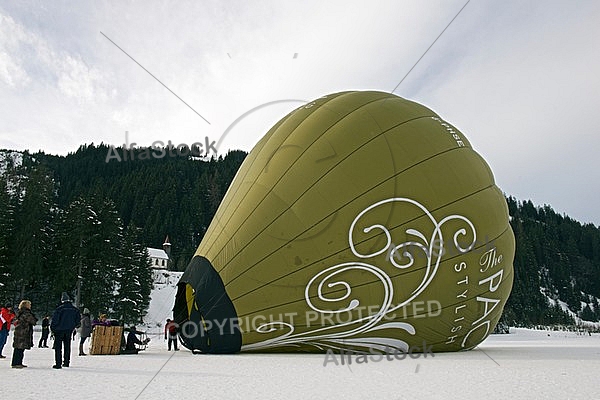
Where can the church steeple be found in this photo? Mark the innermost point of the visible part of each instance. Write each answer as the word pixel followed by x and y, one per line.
pixel 167 247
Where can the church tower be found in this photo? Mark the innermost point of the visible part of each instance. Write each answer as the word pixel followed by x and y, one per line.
pixel 167 249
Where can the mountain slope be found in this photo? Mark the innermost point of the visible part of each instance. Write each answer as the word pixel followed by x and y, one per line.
pixel 162 299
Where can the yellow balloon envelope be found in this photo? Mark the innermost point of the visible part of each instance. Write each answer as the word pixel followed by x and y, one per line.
pixel 361 221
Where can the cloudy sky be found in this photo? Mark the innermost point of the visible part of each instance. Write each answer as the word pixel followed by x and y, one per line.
pixel 521 79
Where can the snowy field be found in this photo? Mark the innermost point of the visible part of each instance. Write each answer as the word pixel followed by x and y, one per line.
pixel 523 365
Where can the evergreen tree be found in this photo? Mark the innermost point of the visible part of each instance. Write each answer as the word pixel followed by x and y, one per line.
pixel 33 232
pixel 134 279
pixel 90 240
pixel 556 255
pixel 557 258
pixel 587 314
pixel 6 229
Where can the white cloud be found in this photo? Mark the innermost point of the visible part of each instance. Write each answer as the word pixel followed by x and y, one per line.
pixel 526 101
pixel 519 78
pixel 12 72
pixel 77 80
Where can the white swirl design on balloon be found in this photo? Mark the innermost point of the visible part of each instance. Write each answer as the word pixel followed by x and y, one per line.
pixel 352 333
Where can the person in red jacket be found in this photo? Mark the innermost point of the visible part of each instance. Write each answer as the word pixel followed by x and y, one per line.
pixel 171 331
pixel 6 317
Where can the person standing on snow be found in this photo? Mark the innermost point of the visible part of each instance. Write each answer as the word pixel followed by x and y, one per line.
pixel 86 329
pixel 23 338
pixel 45 332
pixel 171 331
pixel 6 317
pixel 64 320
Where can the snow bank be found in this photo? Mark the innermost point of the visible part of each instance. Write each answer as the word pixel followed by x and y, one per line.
pixel 162 300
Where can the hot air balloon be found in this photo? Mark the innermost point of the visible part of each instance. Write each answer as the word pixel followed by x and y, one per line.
pixel 361 221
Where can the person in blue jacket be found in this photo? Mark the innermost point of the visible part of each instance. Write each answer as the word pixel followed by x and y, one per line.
pixel 64 320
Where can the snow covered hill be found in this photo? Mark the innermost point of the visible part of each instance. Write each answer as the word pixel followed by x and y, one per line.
pixel 10 164
pixel 10 159
pixel 162 300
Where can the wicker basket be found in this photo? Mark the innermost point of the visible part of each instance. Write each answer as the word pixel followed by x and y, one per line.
pixel 106 340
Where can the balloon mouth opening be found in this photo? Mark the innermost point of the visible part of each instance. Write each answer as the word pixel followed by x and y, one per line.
pixel 202 307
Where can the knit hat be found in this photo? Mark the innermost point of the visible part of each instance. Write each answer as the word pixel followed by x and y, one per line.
pixel 86 311
pixel 64 298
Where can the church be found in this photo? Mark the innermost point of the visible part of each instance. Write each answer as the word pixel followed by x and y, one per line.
pixel 160 258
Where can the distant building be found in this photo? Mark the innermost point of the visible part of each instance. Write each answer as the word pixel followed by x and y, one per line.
pixel 160 258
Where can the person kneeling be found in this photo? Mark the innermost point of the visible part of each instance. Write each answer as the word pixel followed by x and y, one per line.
pixel 132 341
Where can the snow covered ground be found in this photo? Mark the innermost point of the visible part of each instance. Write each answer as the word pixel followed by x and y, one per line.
pixel 523 365
pixel 526 364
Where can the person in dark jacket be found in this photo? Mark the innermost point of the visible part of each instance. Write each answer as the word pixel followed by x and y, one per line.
pixel 171 331
pixel 64 320
pixel 23 337
pixel 45 332
pixel 132 341
pixel 86 330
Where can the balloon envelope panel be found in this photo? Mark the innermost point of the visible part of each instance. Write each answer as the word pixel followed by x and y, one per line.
pixel 363 221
